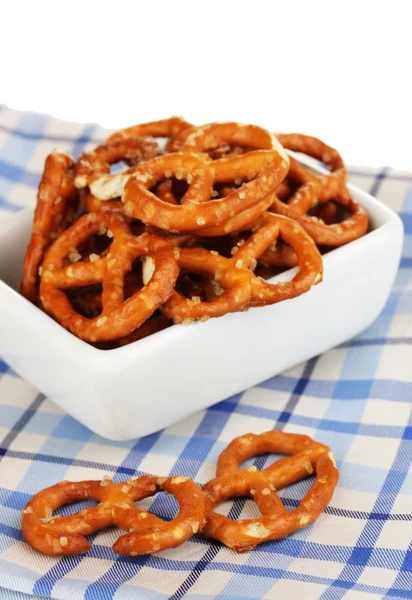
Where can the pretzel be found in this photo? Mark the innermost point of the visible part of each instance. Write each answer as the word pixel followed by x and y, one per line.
pixel 95 164
pixel 56 202
pixel 311 189
pixel 232 283
pixel 238 287
pixel 278 255
pixel 213 136
pixel 242 221
pixel 119 317
pixel 276 442
pixel 88 300
pixel 92 165
pixel 93 204
pixel 166 128
pixel 64 536
pixel 309 260
pixel 335 234
pixel 189 520
pixel 314 147
pixel 276 523
pixel 197 209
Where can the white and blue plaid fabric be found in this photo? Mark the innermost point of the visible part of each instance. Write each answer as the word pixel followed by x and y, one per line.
pixel 357 398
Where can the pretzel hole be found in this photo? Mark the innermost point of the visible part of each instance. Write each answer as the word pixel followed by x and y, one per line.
pixel 329 212
pixel 70 509
pixel 97 244
pixel 239 508
pixel 292 494
pixel 287 188
pixel 119 167
pixel 261 461
pixel 171 190
pixel 163 505
pixel 192 286
pixel 223 189
pixel 87 301
pixel 223 245
pixel 228 151
pixel 269 271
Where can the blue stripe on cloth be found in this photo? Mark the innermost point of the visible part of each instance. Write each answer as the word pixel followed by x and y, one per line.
pixel 17 174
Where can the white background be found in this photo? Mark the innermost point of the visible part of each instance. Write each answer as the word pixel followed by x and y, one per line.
pixel 339 70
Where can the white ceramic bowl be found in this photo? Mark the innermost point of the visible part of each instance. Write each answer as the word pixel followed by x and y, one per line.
pixel 138 389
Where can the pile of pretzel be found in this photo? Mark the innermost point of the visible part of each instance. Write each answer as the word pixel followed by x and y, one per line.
pixel 186 232
pixel 65 535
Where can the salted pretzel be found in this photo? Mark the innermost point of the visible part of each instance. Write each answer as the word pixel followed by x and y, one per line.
pixel 94 164
pixel 306 144
pixel 119 317
pixel 314 189
pixel 213 136
pixel 328 185
pixel 56 204
pixel 189 519
pixel 307 457
pixel 197 209
pixel 275 442
pixel 335 234
pixel 65 535
pixel 238 287
pixel 233 284
pixel 165 128
pixel 88 300
pixel 309 260
pixel 242 221
pixel 233 148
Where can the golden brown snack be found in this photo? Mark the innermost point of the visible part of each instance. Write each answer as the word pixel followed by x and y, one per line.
pixel 275 442
pixel 56 204
pixel 224 136
pixel 238 287
pixel 308 456
pixel 92 165
pixel 307 144
pixel 309 260
pixel 189 520
pixel 119 317
pixel 95 164
pixel 315 189
pixel 65 536
pixel 335 234
pixel 165 128
pixel 197 209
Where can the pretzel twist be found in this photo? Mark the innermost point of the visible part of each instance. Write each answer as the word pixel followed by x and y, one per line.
pixel 307 457
pixel 165 128
pixel 56 205
pixel 119 317
pixel 64 536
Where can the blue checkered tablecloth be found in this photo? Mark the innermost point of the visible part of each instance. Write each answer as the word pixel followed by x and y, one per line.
pixel 357 398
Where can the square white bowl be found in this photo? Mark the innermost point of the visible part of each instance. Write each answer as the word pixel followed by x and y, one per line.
pixel 135 390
